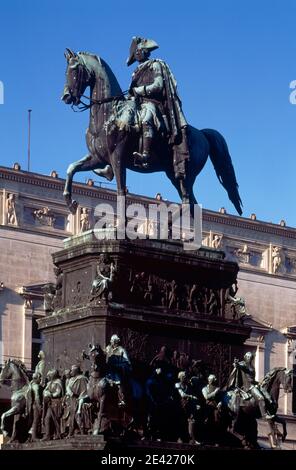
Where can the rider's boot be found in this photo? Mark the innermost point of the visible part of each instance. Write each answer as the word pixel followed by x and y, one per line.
pixel 143 159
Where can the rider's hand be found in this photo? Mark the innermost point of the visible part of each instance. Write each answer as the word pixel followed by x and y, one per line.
pixel 139 90
pixel 131 93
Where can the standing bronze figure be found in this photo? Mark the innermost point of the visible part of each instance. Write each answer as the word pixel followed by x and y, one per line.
pixel 145 131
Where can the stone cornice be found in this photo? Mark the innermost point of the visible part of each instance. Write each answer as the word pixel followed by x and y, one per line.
pixel 243 223
pixel 56 184
pixel 209 216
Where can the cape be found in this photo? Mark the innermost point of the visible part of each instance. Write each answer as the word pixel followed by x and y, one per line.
pixel 170 104
pixel 241 377
pixel 78 386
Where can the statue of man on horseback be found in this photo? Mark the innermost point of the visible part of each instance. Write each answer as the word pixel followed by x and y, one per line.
pixel 168 144
pixel 154 89
pixel 242 378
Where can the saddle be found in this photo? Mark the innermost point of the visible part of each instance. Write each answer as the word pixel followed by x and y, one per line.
pixel 244 396
pixel 125 116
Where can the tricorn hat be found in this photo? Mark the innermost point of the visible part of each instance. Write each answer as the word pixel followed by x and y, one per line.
pixel 138 42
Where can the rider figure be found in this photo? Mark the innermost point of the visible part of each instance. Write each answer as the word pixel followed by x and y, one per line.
pixel 118 366
pixel 41 368
pixel 155 90
pixel 243 377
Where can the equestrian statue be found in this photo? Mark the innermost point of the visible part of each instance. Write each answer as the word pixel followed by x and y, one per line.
pixel 143 129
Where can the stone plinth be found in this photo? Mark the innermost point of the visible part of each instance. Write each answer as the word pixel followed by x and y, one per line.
pixel 151 302
pixel 74 443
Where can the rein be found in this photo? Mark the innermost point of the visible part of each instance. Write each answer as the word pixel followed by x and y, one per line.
pixel 85 106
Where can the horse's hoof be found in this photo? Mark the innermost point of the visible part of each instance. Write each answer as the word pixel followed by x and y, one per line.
pixel 109 175
pixel 71 203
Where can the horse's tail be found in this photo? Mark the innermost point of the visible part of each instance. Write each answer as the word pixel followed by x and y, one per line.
pixel 222 163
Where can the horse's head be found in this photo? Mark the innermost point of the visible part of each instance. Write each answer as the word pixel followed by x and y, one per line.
pixel 287 380
pixel 14 371
pixel 78 77
pixel 7 371
pixel 274 379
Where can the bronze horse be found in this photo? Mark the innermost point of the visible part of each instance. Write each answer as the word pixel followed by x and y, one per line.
pixel 103 394
pixel 111 147
pixel 245 412
pixel 15 373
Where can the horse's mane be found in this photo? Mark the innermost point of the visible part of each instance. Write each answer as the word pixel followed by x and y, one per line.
pixel 115 87
pixel 18 363
pixel 270 376
pixel 90 54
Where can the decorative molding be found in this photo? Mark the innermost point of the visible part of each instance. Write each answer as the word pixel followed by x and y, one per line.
pixel 289 332
pixel 110 195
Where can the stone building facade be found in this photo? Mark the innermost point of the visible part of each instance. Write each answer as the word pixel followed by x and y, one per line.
pixel 34 221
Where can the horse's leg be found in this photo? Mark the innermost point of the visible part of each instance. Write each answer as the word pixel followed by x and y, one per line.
pixel 175 182
pixel 71 170
pixel 192 198
pixel 86 163
pixel 105 172
pixel 16 418
pixel 184 188
pixel 184 191
pixel 12 411
pixel 4 432
pixel 281 421
pixel 119 168
pixel 116 159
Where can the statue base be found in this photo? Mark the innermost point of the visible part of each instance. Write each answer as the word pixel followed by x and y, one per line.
pixel 152 302
pixel 114 446
pixel 74 443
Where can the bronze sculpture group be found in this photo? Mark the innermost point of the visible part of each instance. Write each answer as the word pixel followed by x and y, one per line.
pixel 173 400
pixel 145 131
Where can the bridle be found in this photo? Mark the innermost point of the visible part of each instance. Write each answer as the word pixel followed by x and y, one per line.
pixel 81 106
pixel 93 102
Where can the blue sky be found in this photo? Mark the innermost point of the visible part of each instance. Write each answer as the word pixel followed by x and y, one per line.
pixel 233 60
